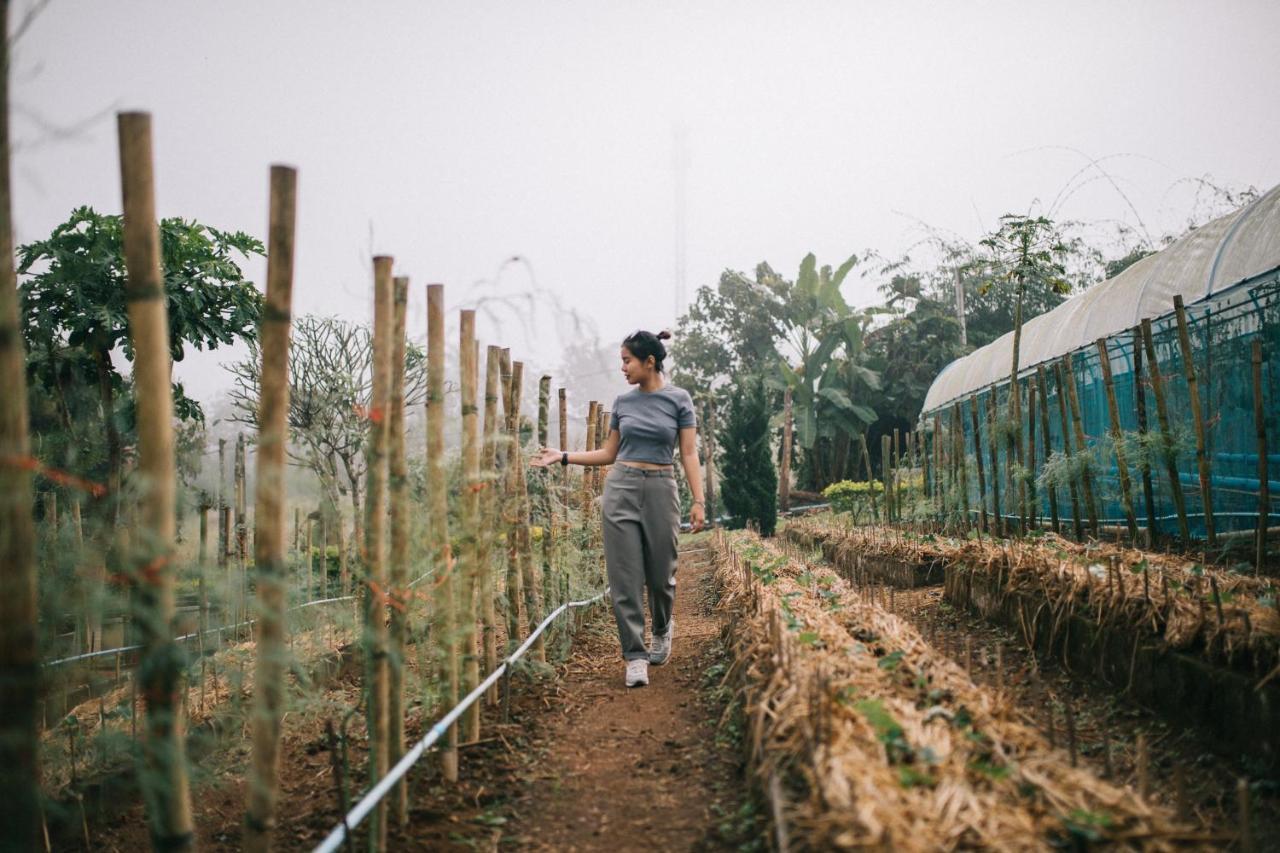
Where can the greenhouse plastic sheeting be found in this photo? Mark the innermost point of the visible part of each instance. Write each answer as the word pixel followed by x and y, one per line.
pixel 1209 260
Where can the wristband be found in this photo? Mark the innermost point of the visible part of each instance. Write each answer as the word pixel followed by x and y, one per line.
pixel 696 503
pixel 564 459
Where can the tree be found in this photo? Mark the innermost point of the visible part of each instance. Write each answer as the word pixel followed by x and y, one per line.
pixel 74 318
pixel 749 488
pixel 1028 252
pixel 330 390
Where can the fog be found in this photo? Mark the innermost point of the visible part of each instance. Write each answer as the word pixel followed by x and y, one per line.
pixel 628 152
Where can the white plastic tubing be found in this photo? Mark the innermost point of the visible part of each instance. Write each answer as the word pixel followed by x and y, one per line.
pixel 385 784
pixel 218 630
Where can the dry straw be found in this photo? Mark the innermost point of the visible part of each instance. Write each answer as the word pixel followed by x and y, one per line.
pixel 1224 616
pixel 865 736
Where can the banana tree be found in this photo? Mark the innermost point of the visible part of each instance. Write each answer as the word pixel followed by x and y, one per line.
pixel 830 373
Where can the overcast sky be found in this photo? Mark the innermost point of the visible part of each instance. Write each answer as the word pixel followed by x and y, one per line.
pixel 456 135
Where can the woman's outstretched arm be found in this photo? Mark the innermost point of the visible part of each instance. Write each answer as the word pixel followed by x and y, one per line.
pixel 605 455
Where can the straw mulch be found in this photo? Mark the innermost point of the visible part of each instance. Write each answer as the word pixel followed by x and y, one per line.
pixel 1225 616
pixel 865 737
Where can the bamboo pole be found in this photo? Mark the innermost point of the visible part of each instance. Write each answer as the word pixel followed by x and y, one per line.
pixel 941 451
pixel 398 568
pixel 885 456
pixel 977 457
pixel 602 428
pixel 310 556
pixel 784 475
pixel 1077 524
pixel 1166 435
pixel 1086 475
pixel 19 618
pixel 1197 416
pixel 563 414
pixel 957 427
pixel 544 408
pixel 510 508
pixel 489 504
pixel 926 467
pixel 993 444
pixel 1033 497
pixel 871 476
pixel 324 554
pixel 709 451
pixel 269 514
pixel 895 456
pixel 164 782
pixel 224 528
pixel 1117 437
pixel 438 516
pixel 202 562
pixel 377 580
pixel 592 410
pixel 1140 401
pixel 236 590
pixel 468 571
pixel 1264 487
pixel 1042 387
pixel 528 571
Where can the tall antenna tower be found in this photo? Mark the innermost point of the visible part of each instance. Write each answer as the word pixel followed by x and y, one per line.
pixel 680 169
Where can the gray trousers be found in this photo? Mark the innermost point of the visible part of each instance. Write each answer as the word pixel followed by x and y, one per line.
pixel 641 516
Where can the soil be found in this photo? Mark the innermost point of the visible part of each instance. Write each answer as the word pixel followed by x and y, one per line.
pixel 582 763
pixel 603 767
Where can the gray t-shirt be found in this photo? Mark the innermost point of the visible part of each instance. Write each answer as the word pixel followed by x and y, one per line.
pixel 648 424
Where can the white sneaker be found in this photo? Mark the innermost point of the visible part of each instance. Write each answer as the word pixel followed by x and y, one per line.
pixel 637 672
pixel 661 648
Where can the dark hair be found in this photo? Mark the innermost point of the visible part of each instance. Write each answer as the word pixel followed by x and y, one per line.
pixel 643 344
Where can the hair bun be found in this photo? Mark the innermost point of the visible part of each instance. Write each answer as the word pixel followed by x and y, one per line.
pixel 664 335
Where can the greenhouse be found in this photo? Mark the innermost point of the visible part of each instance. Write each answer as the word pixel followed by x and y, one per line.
pixel 1165 464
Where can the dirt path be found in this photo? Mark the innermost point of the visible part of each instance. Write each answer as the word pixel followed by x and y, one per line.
pixel 636 769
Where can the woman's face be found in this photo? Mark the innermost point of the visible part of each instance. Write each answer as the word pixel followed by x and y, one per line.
pixel 634 369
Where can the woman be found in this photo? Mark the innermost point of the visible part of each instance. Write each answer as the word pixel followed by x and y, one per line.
pixel 641 511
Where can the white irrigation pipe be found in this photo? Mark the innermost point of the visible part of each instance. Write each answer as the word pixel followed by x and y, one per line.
pixel 218 630
pixel 361 810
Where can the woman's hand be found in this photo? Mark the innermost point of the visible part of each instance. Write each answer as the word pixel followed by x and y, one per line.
pixel 697 518
pixel 546 456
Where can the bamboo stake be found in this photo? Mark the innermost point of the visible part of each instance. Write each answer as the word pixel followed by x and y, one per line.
pixel 871 477
pixel 1033 499
pixel 398 569
pixel 997 517
pixel 784 474
pixel 236 586
pixel 438 518
pixel 544 408
pixel 889 511
pixel 310 557
pixel 1086 476
pixel 977 456
pixel 1197 416
pixel 165 781
pixel 944 465
pixel 1140 401
pixel 1166 435
pixel 896 460
pixel 957 428
pixel 528 571
pixel 592 416
pixel 1013 451
pixel 297 528
pixel 1076 523
pixel 269 514
pixel 1042 386
pixel 1264 487
pixel 563 415
pixel 602 427
pixel 468 557
pixel 202 562
pixel 1117 437
pixel 511 415
pixel 709 454
pixel 19 618
pixel 377 580
pixel 490 493
pixel 224 528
